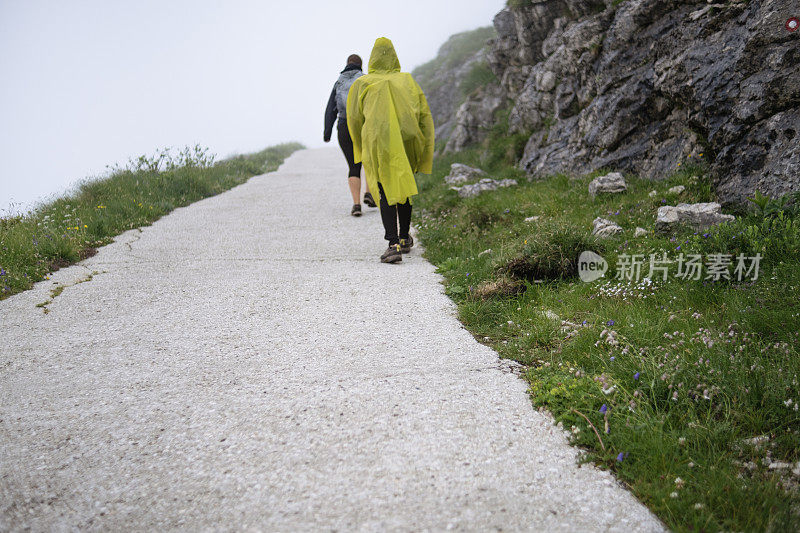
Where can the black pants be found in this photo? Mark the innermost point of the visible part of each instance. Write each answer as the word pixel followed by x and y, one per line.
pixel 346 144
pixel 390 214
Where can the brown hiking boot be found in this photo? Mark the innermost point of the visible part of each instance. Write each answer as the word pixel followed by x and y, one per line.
pixel 406 244
pixel 356 211
pixel 392 254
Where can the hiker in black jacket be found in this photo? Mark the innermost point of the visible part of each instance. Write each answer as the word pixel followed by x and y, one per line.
pixel 337 105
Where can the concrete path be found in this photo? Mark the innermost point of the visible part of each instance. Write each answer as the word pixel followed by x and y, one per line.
pixel 247 363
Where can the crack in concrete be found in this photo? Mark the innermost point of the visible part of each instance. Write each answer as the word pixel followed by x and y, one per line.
pixel 56 291
pixel 136 238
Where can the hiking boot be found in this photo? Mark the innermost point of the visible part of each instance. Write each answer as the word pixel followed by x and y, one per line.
pixel 369 200
pixel 392 254
pixel 356 211
pixel 406 244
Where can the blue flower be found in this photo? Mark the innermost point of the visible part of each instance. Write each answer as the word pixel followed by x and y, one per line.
pixel 636 376
pixel 583 323
pixel 603 409
pixel 706 235
pixel 620 457
pixel 612 357
pixel 610 323
pixel 508 210
pixel 2 271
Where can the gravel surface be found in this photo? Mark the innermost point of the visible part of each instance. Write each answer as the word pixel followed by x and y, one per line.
pixel 247 363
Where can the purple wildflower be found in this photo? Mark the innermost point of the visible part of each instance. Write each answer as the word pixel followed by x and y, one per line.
pixel 603 409
pixel 610 323
pixel 620 457
pixel 636 376
pixel 2 271
pixel 612 357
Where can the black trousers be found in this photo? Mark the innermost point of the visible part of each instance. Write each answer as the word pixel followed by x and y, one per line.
pixel 346 144
pixel 390 215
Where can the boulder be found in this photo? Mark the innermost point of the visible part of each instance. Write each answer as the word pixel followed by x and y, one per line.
pixel 605 228
pixel 699 216
pixel 486 184
pixel 534 218
pixel 639 232
pixel 463 173
pixel 609 184
pixel 676 189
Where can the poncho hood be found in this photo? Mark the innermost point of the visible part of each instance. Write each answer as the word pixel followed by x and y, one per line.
pixel 383 59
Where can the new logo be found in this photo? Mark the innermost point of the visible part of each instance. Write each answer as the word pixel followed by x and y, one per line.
pixel 591 266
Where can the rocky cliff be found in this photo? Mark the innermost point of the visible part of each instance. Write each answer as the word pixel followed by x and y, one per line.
pixel 643 86
pixel 452 75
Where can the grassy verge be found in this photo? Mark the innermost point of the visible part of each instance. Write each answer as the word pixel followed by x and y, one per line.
pixel 689 388
pixel 66 230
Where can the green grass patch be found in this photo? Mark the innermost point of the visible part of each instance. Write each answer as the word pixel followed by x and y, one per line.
pixel 692 385
pixel 68 229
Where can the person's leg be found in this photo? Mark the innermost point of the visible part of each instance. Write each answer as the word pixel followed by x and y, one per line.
pixel 404 214
pixel 368 198
pixel 355 189
pixel 389 219
pixel 354 170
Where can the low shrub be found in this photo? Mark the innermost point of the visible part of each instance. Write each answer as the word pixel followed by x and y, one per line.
pixel 550 254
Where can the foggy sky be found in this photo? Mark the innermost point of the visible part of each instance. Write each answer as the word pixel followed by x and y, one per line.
pixel 91 83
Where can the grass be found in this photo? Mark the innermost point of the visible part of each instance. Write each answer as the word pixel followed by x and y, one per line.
pixel 691 385
pixel 68 229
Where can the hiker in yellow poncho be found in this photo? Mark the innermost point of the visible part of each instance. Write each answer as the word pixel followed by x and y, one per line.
pixel 392 131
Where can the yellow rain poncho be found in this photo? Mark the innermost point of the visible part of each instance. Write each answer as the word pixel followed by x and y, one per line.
pixel 391 125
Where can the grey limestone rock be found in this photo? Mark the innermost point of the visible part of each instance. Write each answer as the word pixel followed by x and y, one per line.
pixel 610 183
pixel 699 216
pixel 460 173
pixel 486 184
pixel 605 228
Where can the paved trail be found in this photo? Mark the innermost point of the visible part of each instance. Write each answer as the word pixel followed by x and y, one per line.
pixel 247 363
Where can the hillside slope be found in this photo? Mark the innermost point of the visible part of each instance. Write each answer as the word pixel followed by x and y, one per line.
pixel 641 86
